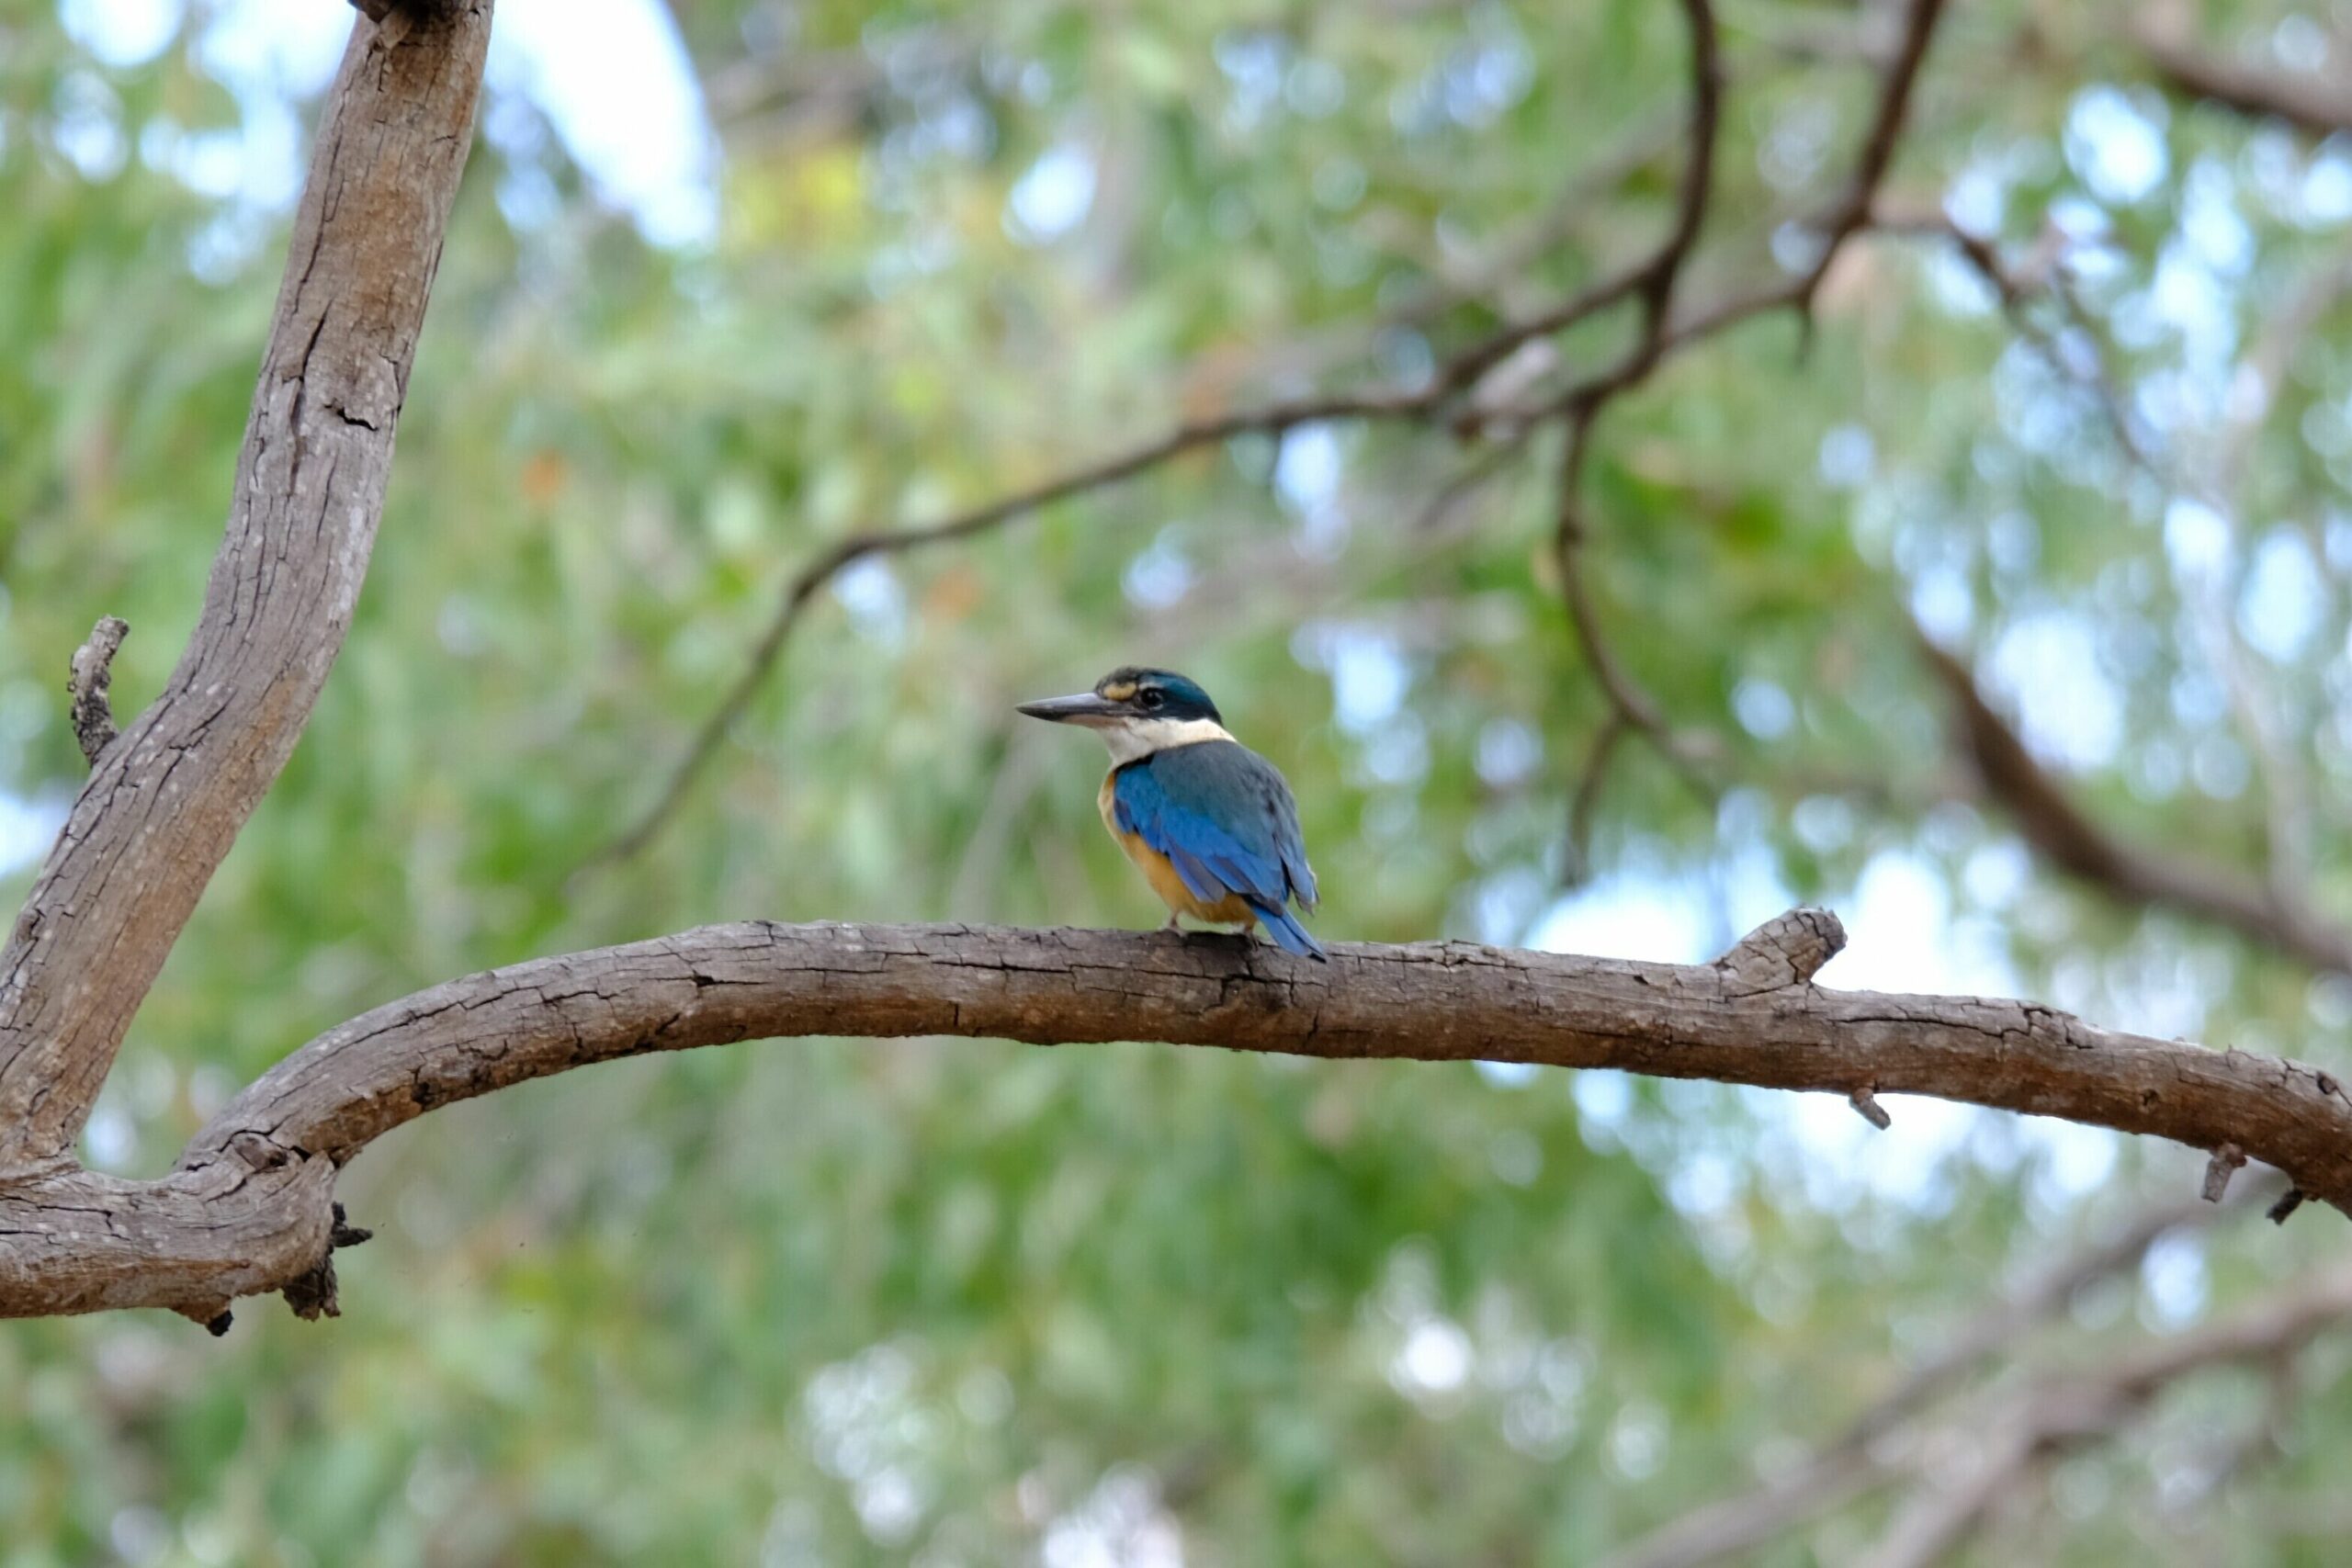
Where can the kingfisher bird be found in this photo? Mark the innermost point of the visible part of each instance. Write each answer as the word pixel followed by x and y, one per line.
pixel 1209 822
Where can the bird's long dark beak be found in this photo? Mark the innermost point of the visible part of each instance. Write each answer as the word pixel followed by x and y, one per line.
pixel 1083 708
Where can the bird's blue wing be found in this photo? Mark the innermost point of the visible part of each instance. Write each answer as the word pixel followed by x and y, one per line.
pixel 1225 819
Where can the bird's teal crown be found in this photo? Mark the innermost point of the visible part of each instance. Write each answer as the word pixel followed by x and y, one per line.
pixel 1157 694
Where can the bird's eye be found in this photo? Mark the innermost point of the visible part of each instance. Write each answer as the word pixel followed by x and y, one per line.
pixel 1153 697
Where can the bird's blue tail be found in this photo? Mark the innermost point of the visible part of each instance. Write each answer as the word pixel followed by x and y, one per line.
pixel 1288 934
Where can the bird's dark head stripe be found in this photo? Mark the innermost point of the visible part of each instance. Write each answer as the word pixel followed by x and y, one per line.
pixel 1157 694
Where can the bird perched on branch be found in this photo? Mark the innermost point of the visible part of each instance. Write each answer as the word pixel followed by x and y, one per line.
pixel 1209 822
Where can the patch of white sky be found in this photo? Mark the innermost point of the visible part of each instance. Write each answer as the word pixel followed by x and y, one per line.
pixel 875 599
pixel 27 828
pixel 2046 665
pixel 1309 472
pixel 1052 196
pixel 28 824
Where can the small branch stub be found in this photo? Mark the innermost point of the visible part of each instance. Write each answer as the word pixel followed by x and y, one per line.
pixel 2289 1201
pixel 1866 1106
pixel 316 1294
pixel 1784 953
pixel 2220 1169
pixel 91 683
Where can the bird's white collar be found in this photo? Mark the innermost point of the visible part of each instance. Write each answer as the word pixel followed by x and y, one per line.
pixel 1131 740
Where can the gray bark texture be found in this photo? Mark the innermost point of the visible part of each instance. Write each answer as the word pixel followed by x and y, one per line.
pixel 249 1208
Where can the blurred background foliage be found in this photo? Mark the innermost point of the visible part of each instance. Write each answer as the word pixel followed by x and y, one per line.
pixel 732 277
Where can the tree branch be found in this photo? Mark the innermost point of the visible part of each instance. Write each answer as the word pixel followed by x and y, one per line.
pixel 1632 709
pixel 1852 213
pixel 1276 420
pixel 2044 274
pixel 165 802
pixel 2042 1298
pixel 90 683
pixel 2311 103
pixel 1652 281
pixel 247 1209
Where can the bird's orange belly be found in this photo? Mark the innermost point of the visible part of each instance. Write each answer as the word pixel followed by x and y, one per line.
pixel 1161 872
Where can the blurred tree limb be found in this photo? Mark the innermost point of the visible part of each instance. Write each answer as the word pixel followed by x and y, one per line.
pixel 2311 102
pixel 2067 1412
pixel 2274 913
pixel 1962 1473
pixel 1475 377
pixel 1855 1461
pixel 811 579
pixel 2274 910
